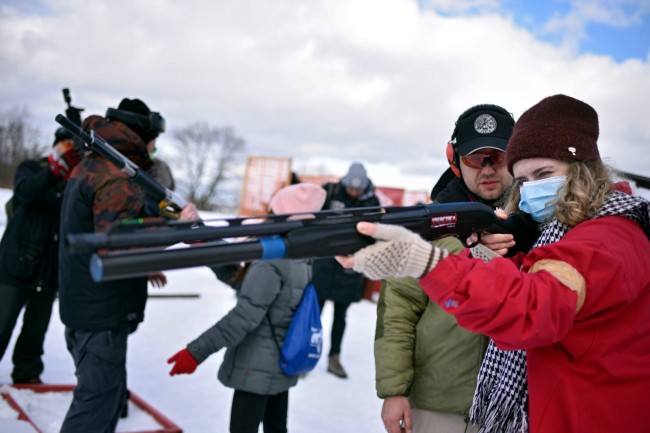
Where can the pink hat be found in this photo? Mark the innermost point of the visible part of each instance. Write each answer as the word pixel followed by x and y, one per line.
pixel 301 197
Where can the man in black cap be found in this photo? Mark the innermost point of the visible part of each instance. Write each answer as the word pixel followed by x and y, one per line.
pixel 29 254
pixel 426 365
pixel 476 156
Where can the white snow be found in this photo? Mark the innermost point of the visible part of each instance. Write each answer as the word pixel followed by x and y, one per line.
pixel 198 403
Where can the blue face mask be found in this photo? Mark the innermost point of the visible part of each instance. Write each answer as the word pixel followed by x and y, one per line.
pixel 537 195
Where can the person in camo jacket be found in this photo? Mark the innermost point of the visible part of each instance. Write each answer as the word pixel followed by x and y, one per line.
pixel 99 316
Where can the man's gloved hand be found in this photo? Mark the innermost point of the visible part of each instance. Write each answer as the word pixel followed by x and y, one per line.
pixel 184 363
pixel 398 252
pixel 63 164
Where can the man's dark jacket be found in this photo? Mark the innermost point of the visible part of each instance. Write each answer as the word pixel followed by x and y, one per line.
pixel 29 246
pixel 330 279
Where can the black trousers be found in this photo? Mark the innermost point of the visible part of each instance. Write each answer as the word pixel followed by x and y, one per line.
pixel 28 350
pixel 100 362
pixel 338 324
pixel 249 410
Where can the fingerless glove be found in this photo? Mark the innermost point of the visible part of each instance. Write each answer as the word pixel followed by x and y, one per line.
pixel 398 252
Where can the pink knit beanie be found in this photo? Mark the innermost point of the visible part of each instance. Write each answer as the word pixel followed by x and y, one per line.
pixel 301 197
pixel 558 127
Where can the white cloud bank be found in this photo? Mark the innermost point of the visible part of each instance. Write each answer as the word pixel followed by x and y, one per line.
pixel 325 82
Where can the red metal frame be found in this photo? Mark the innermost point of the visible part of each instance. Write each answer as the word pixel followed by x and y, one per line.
pixel 21 413
pixel 167 426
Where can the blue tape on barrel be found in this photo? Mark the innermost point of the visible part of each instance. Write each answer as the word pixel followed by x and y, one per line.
pixel 273 248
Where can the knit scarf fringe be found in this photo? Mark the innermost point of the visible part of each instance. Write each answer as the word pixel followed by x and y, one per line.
pixel 500 403
pixel 501 398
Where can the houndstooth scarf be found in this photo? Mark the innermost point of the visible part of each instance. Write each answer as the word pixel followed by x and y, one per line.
pixel 501 398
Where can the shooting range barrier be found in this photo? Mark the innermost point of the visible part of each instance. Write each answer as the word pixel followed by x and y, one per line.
pixel 41 409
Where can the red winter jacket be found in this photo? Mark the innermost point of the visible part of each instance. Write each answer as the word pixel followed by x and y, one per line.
pixel 588 371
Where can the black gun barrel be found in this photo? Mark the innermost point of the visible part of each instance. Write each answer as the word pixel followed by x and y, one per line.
pixel 117 266
pixel 164 235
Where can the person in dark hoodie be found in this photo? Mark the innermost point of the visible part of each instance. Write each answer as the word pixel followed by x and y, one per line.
pixel 425 363
pixel 29 254
pixel 342 286
pixel 99 316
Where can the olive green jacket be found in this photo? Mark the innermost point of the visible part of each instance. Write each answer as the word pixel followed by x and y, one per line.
pixel 421 352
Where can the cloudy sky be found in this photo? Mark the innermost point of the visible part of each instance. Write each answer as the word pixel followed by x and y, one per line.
pixel 328 82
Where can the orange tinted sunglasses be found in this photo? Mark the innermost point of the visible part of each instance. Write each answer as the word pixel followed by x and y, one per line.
pixel 479 159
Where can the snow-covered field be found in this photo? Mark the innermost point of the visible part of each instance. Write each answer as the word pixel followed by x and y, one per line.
pixel 198 403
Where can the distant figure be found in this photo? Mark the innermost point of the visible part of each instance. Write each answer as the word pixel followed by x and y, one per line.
pixel 161 171
pixel 267 299
pixel 333 282
pixel 29 254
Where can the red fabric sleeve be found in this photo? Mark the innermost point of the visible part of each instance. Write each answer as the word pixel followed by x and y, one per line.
pixel 519 310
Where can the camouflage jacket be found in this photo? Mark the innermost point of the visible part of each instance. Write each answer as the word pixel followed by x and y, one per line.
pixel 97 195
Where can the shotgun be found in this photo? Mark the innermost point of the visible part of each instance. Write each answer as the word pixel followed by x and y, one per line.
pixel 133 248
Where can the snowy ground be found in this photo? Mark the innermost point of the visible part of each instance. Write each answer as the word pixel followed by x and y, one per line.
pixel 198 403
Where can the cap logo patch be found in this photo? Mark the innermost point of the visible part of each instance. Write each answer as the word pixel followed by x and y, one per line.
pixel 572 150
pixel 485 124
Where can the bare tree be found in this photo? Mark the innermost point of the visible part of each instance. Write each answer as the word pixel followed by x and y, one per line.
pixel 19 140
pixel 207 159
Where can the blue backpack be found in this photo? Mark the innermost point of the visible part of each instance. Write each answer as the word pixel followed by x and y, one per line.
pixel 304 340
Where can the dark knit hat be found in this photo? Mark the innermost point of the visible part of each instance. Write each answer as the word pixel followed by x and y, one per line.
pixel 62 134
pixel 134 105
pixel 135 113
pixel 558 127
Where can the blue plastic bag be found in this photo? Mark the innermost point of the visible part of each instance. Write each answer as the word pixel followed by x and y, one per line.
pixel 304 340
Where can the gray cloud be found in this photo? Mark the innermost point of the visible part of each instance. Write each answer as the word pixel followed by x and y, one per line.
pixel 324 82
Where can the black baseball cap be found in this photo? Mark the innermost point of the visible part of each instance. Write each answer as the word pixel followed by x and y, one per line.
pixel 483 126
pixel 62 134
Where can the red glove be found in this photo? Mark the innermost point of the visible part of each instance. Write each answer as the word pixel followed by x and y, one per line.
pixel 185 363
pixel 63 165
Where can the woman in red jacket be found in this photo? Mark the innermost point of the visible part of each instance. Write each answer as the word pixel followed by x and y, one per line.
pixel 572 316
